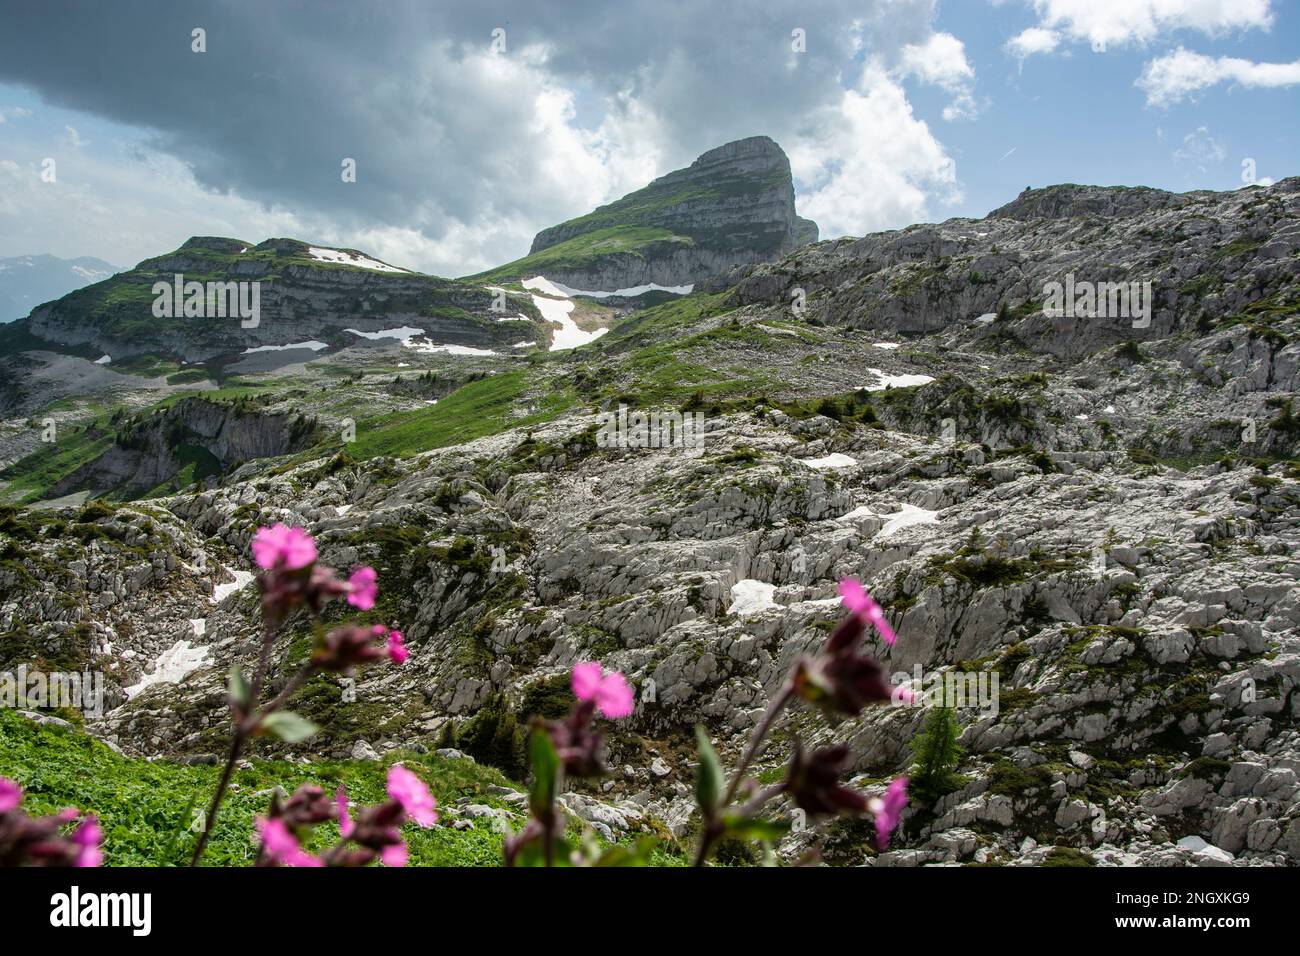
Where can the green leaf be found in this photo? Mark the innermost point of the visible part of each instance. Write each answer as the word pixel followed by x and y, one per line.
pixel 546 773
pixel 708 778
pixel 638 855
pixel 289 727
pixel 748 828
pixel 241 692
pixel 533 853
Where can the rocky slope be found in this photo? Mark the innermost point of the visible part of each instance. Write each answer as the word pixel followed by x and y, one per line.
pixel 1103 517
pixel 734 205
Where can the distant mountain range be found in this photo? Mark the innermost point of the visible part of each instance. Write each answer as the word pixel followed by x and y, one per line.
pixel 732 208
pixel 27 281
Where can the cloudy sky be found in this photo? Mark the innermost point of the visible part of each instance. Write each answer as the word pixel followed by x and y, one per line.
pixel 473 125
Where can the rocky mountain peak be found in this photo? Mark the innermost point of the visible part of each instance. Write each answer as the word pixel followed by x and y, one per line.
pixel 734 205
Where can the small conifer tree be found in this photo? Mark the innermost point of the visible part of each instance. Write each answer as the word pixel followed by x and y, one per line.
pixel 936 754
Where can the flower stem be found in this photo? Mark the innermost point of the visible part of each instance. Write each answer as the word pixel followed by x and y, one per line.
pixel 244 728
pixel 236 748
pixel 756 741
pixel 713 829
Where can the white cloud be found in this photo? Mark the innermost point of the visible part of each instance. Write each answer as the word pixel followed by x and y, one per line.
pixel 941 60
pixel 868 163
pixel 1033 40
pixel 1171 78
pixel 1107 23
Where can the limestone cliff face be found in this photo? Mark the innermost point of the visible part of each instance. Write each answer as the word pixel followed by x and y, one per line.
pixel 732 206
pixel 213 435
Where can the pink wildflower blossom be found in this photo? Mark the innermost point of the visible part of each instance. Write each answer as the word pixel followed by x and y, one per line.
pixel 11 795
pixel 395 854
pixel 857 600
pixel 409 790
pixel 346 826
pixel 363 588
pixel 281 846
pixel 280 545
pixel 611 692
pixel 87 839
pixel 889 811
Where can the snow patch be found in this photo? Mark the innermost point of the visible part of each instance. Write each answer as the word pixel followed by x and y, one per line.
pixel 545 286
pixel 352 259
pixel 1208 850
pixel 222 591
pixel 751 597
pixel 895 521
pixel 103 360
pixel 987 318
pixel 630 291
pixel 407 333
pixel 889 346
pixel 309 344
pixel 556 310
pixel 402 334
pixel 172 665
pixel 885 380
pixel 906 517
pixel 430 349
pixel 835 460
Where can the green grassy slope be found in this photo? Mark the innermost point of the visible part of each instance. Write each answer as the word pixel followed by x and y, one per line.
pixel 583 250
pixel 145 807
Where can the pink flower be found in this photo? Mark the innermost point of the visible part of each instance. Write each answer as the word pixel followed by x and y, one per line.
pixel 889 811
pixel 362 588
pixel 397 651
pixel 857 600
pixel 615 696
pixel 395 854
pixel 280 545
pixel 10 795
pixel 611 692
pixel 281 846
pixel 346 826
pixel 87 839
pixel 409 790
pixel 586 680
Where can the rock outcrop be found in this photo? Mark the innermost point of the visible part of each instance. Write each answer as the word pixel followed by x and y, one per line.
pixel 205 436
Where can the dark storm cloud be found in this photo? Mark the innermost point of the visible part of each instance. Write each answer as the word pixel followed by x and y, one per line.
pixel 286 90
